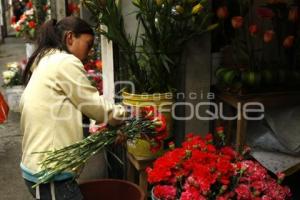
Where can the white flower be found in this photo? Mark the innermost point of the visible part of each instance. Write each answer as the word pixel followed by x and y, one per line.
pixel 6 81
pixel 29 12
pixel 8 74
pixel 14 65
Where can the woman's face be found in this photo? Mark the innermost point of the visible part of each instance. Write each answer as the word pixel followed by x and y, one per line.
pixel 79 46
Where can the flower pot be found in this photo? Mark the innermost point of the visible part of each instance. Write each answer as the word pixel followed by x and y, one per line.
pixel 111 189
pixel 163 102
pixel 30 48
pixel 13 96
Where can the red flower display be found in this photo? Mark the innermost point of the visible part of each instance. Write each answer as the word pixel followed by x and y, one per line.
pixel 199 170
pixel 26 25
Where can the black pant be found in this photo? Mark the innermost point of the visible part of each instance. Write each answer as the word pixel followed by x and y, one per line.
pixel 64 190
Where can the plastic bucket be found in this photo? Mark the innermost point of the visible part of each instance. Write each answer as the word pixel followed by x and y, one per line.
pixel 13 96
pixel 111 189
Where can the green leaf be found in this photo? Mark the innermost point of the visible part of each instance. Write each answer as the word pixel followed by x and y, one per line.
pixel 212 27
pixel 32 33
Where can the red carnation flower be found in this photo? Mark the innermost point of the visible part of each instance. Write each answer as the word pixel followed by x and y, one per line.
pixel 32 24
pixel 29 5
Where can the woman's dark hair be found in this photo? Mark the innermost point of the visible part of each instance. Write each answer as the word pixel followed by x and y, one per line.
pixel 52 36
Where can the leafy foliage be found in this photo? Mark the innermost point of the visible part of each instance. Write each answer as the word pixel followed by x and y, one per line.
pixel 165 26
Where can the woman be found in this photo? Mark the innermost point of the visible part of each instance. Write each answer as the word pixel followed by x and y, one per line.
pixel 57 94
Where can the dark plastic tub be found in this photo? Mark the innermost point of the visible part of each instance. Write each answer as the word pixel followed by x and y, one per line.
pixel 111 189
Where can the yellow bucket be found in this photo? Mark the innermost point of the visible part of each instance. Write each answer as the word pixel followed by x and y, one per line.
pixel 163 102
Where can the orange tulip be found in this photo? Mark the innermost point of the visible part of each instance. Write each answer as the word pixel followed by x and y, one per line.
pixel 98 64
pixel 222 12
pixel 268 36
pixel 237 22
pixel 294 14
pixel 288 41
pixel 253 29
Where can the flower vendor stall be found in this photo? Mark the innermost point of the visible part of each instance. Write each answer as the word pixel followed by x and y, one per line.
pixel 257 45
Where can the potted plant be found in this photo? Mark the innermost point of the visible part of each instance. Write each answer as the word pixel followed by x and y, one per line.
pixel 153 55
pixel 204 169
pixel 12 79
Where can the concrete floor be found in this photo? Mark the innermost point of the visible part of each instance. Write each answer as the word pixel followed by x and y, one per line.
pixel 12 186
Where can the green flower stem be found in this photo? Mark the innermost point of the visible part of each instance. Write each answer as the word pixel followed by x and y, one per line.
pixel 72 158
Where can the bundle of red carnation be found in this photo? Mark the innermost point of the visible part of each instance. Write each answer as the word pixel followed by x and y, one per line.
pixel 200 170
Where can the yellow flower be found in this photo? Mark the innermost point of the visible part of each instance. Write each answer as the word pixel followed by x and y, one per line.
pixel 179 9
pixel 159 2
pixel 197 8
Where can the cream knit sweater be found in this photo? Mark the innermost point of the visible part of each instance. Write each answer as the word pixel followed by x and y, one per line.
pixel 52 106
